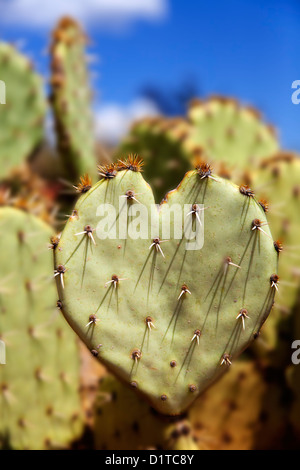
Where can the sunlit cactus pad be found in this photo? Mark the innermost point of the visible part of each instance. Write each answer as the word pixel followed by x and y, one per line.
pixel 277 184
pixel 71 99
pixel 22 115
pixel 233 136
pixel 166 320
pixel 39 401
pixel 230 132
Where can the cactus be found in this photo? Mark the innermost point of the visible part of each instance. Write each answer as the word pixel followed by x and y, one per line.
pixel 70 99
pixel 123 421
pixel 165 319
pixel 22 116
pixel 293 372
pixel 277 181
pixel 234 137
pixel 39 400
pixel 159 141
pixel 230 133
pixel 246 410
pixel 91 372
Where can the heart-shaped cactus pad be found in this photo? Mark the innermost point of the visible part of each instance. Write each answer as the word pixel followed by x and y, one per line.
pixel 166 314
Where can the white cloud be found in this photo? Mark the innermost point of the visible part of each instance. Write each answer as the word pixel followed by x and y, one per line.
pixel 113 121
pixel 37 14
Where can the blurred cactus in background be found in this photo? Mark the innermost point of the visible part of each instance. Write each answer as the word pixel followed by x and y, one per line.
pixel 39 399
pixel 53 391
pixel 22 119
pixel 70 99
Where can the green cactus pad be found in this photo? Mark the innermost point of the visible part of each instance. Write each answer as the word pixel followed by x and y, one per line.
pixel 22 116
pixel 123 421
pixel 232 136
pixel 70 99
pixel 39 400
pixel 159 142
pixel 230 133
pixel 165 319
pixel 278 182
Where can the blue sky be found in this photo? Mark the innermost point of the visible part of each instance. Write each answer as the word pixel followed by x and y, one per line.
pixel 247 49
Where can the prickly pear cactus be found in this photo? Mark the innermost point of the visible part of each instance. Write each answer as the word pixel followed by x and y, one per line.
pixel 165 316
pixel 71 98
pixel 233 136
pixel 278 182
pixel 39 401
pixel 293 371
pixel 230 133
pixel 22 115
pixel 91 372
pixel 159 142
pixel 123 421
pixel 246 410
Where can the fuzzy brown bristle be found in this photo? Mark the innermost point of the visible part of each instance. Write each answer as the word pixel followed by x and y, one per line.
pixel 264 204
pixel 84 185
pixel 108 171
pixel 54 241
pixel 132 162
pixel 203 169
pixel 246 191
pixel 278 246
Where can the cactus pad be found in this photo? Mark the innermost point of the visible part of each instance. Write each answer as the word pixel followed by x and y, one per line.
pixel 246 410
pixel 166 319
pixel 22 116
pixel 278 182
pixel 232 136
pixel 124 421
pixel 39 401
pixel 230 133
pixel 70 99
pixel 160 142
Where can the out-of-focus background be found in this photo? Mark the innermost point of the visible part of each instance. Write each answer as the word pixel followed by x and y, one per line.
pixel 90 82
pixel 152 56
